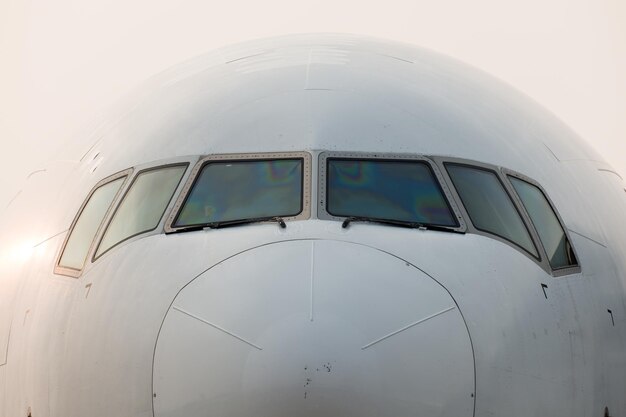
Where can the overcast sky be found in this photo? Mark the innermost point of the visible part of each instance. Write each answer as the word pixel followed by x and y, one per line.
pixel 63 62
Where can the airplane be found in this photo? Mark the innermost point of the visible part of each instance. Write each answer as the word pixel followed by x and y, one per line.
pixel 317 225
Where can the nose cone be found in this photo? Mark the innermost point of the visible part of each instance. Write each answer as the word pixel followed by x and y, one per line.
pixel 313 328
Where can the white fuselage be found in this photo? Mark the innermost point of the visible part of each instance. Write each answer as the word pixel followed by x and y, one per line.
pixel 315 319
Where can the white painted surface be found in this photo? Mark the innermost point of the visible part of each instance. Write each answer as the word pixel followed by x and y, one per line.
pixel 2 388
pixel 61 64
pixel 305 328
pixel 86 346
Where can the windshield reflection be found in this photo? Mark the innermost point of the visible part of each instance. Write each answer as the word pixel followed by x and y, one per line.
pixel 234 190
pixel 383 189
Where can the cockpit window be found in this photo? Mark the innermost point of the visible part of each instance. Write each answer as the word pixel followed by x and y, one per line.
pixel 226 191
pixel 86 225
pixel 557 246
pixel 143 205
pixel 398 190
pixel 489 206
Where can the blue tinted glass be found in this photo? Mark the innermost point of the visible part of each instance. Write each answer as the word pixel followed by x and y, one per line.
pixel 227 191
pixel 392 190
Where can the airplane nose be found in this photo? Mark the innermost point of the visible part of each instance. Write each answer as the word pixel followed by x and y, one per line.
pixel 313 328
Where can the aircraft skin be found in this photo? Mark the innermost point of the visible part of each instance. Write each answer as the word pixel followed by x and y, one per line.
pixel 316 319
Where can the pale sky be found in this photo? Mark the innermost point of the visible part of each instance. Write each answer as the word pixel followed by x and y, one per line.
pixel 63 62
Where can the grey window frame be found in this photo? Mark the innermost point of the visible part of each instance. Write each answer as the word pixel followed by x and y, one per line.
pixel 323 157
pixel 474 229
pixel 76 273
pixel 502 174
pixel 556 272
pixel 243 157
pixel 441 161
pixel 110 218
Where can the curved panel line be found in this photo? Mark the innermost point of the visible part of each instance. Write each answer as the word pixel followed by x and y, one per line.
pixel 610 171
pixel 318 239
pixel 408 327
pixel 217 327
pixel 586 237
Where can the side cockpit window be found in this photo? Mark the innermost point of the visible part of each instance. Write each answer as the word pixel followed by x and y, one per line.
pixel 489 206
pixel 143 205
pixel 552 235
pixel 86 225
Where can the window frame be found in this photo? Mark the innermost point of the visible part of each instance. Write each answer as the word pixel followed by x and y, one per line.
pixel 436 164
pixel 306 158
pixel 556 272
pixel 322 186
pixel 541 261
pixel 76 273
pixel 95 256
pixel 477 230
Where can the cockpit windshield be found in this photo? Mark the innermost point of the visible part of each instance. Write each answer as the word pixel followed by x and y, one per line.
pixel 227 191
pixel 405 191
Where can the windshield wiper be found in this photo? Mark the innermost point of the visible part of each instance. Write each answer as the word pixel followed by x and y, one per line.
pixel 399 223
pixel 229 223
